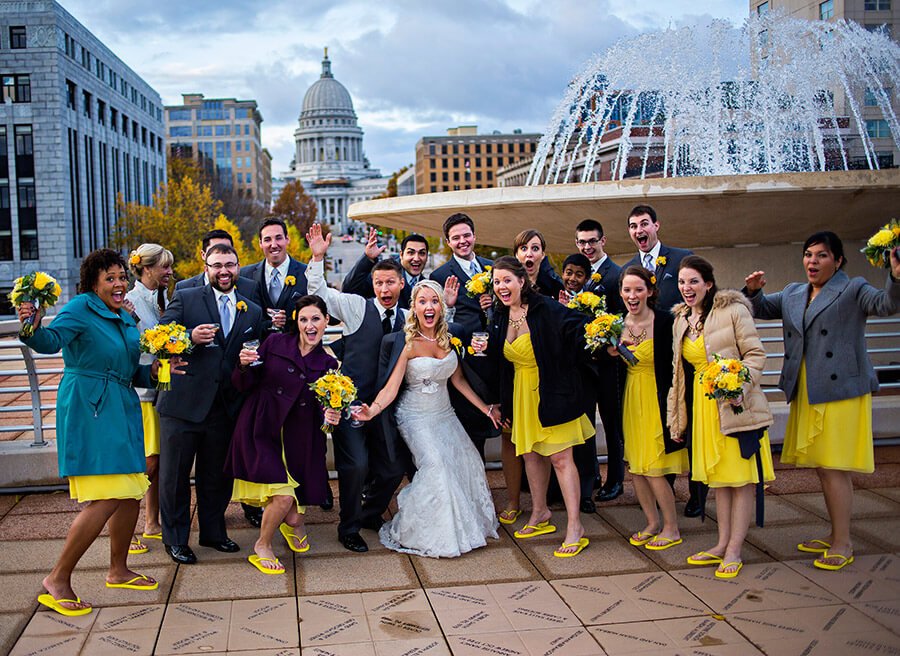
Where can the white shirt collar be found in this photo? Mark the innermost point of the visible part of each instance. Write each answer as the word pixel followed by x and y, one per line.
pixel 595 267
pixel 466 265
pixel 381 310
pixel 282 270
pixel 230 295
pixel 654 252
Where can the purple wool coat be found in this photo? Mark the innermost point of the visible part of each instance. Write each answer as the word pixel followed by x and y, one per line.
pixel 281 400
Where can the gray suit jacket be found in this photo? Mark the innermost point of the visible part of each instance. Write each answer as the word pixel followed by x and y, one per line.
pixel 830 335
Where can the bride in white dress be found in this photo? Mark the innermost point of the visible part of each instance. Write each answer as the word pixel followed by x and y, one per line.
pixel 447 509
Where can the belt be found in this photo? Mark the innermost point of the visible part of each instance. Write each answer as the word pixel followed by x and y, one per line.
pixel 96 399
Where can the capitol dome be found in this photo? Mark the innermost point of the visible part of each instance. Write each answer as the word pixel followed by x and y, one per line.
pixel 326 96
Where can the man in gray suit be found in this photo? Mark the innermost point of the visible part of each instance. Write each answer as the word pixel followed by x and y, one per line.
pixel 197 416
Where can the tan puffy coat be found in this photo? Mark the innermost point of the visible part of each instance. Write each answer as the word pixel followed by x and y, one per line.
pixel 730 332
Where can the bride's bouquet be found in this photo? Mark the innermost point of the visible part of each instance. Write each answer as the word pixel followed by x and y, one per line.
pixel 335 391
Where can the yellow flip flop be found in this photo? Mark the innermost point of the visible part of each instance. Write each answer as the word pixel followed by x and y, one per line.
pixel 709 559
pixel 132 584
pixel 137 547
pixel 659 547
pixel 581 544
pixel 509 516
pixel 153 536
pixel 288 532
pixel 56 604
pixel 833 568
pixel 543 528
pixel 641 538
pixel 802 546
pixel 728 575
pixel 256 561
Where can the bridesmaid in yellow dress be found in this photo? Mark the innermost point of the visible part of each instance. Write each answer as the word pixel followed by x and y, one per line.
pixel 649 451
pixel 712 321
pixel 828 378
pixel 541 393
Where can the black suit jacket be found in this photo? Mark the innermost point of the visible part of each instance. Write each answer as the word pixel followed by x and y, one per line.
pixel 209 368
pixel 608 287
pixel 468 312
pixel 289 293
pixel 666 275
pixel 359 281
pixel 243 286
pixel 548 281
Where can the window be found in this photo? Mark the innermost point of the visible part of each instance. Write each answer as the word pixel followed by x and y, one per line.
pixel 477 162
pixel 433 176
pixel 456 176
pixel 17 88
pixel 17 37
pixel 28 242
pixel 444 152
pixel 4 159
pixel 871 5
pixel 246 130
pixel 87 103
pixel 445 177
pixel 431 149
pixel 134 130
pixel 477 149
pixel 487 149
pixel 237 146
pixel 101 112
pixel 222 130
pixel 456 162
pixel 433 188
pixel 71 91
pixel 113 119
pixel 826 9
pixel 878 129
pixel 489 162
pixel 490 175
pixel 212 111
pixel 144 137
pixel 6 242
pixel 466 149
pixel 872 96
pixel 455 149
pixel 887 28
pixel 179 115
pixel 124 125
pixel 444 162
pixel 477 176
pixel 763 9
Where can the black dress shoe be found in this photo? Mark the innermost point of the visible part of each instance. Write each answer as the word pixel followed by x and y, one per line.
pixel 329 501
pixel 587 506
pixel 181 554
pixel 225 545
pixel 253 515
pixel 692 508
pixel 614 491
pixel 372 523
pixel 353 542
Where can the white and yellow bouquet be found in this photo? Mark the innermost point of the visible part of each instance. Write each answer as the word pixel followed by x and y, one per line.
pixel 37 288
pixel 878 248
pixel 480 284
pixel 724 378
pixel 335 391
pixel 589 303
pixel 165 341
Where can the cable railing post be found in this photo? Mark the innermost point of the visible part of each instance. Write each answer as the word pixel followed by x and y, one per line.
pixel 35 391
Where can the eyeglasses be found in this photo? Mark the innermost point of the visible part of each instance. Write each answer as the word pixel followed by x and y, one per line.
pixel 587 242
pixel 218 267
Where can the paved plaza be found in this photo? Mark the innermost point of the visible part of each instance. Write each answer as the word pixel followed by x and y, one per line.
pixel 511 598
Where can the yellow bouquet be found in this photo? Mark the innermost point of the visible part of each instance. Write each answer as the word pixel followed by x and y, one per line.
pixel 605 330
pixel 165 341
pixel 724 378
pixel 589 303
pixel 878 248
pixel 37 288
pixel 480 284
pixel 335 391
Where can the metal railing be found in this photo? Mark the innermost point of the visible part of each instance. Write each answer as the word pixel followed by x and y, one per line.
pixel 885 356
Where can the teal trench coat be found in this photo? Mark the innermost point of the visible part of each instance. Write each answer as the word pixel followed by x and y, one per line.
pixel 98 415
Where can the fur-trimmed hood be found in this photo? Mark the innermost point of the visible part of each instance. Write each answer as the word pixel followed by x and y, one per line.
pixel 723 298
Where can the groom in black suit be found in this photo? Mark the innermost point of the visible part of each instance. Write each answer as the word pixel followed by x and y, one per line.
pixel 469 315
pixel 197 416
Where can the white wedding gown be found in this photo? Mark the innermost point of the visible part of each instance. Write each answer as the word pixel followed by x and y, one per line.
pixel 447 509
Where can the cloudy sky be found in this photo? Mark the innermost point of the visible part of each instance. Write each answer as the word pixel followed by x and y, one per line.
pixel 413 67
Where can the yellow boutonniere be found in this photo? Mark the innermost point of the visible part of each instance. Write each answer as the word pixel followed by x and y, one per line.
pixel 135 258
pixel 290 280
pixel 661 261
pixel 470 350
pixel 456 341
pixel 240 305
pixel 653 279
pixel 596 277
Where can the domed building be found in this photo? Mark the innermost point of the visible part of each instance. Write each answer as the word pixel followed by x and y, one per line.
pixel 329 158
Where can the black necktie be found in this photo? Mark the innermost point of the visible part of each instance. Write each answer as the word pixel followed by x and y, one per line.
pixel 386 323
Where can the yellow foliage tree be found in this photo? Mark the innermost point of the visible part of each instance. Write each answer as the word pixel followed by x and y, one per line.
pixel 297 247
pixel 246 254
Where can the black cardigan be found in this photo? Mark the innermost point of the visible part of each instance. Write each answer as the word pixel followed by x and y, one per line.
pixel 557 337
pixel 662 370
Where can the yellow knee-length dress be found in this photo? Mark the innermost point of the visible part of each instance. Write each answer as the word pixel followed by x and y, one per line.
pixel 645 449
pixel 527 432
pixel 832 435
pixel 151 428
pixel 258 494
pixel 94 487
pixel 716 458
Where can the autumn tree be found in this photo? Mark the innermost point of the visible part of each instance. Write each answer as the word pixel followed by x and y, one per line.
pixel 295 207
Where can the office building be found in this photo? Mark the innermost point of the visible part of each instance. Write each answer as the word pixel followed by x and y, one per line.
pixel 78 128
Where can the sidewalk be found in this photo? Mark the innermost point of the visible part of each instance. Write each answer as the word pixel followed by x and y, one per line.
pixel 512 597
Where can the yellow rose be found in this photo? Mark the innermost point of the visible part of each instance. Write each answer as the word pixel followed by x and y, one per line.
pixel 596 277
pixel 241 306
pixel 135 258
pixel 41 280
pixel 57 290
pixel 456 341
pixel 290 280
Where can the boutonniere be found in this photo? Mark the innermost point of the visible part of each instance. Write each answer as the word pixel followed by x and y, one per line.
pixel 596 277
pixel 661 261
pixel 653 279
pixel 241 306
pixel 457 345
pixel 290 280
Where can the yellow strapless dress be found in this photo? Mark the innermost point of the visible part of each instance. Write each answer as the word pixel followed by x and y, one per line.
pixel 151 429
pixel 527 432
pixel 716 458
pixel 832 435
pixel 645 450
pixel 108 486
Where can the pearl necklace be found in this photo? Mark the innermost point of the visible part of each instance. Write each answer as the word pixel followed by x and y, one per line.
pixel 426 337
